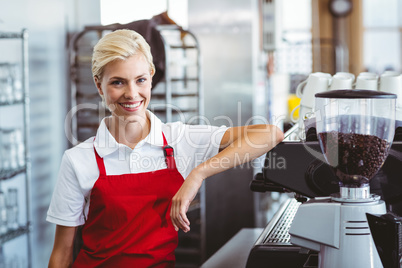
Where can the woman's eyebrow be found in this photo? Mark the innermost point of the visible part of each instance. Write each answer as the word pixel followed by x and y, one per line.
pixel 122 78
pixel 116 77
pixel 141 75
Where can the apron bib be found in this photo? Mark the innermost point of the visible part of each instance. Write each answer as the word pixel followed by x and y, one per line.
pixel 128 221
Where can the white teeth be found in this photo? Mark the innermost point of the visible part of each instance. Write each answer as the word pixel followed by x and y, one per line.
pixel 131 106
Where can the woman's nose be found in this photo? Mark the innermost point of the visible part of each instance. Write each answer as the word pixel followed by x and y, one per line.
pixel 131 91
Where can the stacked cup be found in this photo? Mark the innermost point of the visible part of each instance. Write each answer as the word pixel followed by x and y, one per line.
pixel 342 80
pixel 12 209
pixel 12 149
pixel 3 213
pixel 389 81
pixel 306 90
pixel 367 80
pixel 392 82
pixel 9 210
pixel 10 83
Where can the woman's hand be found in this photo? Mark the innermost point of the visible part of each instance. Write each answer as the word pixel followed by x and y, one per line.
pixel 182 199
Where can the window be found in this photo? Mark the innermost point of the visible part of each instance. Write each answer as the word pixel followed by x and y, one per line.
pixel 125 11
pixel 382 35
pixel 294 56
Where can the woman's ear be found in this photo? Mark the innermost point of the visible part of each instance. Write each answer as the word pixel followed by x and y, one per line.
pixel 98 85
pixel 152 75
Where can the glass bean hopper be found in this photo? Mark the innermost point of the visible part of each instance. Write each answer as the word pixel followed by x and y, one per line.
pixel 355 129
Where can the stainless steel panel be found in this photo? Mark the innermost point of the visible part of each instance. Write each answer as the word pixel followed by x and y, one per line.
pixel 224 30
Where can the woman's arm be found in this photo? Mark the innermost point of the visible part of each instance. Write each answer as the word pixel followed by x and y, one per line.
pixel 238 145
pixel 62 254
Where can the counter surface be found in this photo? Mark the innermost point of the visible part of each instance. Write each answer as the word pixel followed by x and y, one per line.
pixel 235 252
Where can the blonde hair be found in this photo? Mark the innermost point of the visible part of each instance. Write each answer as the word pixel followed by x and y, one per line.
pixel 119 44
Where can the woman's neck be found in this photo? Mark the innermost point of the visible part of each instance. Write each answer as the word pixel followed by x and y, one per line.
pixel 127 132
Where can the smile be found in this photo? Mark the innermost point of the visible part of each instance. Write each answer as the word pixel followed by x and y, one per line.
pixel 131 105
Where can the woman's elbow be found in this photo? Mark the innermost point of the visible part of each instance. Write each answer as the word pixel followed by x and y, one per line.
pixel 264 135
pixel 276 135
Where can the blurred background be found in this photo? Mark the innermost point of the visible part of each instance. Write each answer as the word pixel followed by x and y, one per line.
pixel 234 62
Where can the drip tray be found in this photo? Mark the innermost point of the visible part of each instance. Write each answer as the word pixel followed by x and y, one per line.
pixel 273 248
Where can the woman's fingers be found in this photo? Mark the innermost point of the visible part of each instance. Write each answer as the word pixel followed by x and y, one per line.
pixel 185 223
pixel 172 217
pixel 183 214
pixel 178 215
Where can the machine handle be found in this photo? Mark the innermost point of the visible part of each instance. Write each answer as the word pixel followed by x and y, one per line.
pixel 259 184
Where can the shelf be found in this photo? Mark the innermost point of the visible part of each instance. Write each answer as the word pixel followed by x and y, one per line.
pixel 7 103
pixel 8 174
pixel 194 205
pixel 193 79
pixel 11 35
pixel 175 95
pixel 13 234
pixel 184 47
pixel 163 110
pixel 90 96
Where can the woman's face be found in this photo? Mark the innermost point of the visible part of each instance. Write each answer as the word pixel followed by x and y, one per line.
pixel 126 87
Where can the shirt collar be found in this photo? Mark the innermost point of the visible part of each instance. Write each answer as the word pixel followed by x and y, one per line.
pixel 106 144
pixel 155 135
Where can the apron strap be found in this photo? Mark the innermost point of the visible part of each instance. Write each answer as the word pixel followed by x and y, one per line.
pixel 169 154
pixel 167 151
pixel 101 164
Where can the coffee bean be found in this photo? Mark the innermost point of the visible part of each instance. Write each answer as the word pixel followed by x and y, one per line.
pixel 352 154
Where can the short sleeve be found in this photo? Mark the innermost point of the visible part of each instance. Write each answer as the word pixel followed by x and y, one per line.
pixel 68 201
pixel 196 144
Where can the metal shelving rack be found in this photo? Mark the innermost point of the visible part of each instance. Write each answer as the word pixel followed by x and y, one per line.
pixel 177 97
pixel 180 43
pixel 26 169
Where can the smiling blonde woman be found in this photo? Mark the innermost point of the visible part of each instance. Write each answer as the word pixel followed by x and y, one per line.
pixel 130 186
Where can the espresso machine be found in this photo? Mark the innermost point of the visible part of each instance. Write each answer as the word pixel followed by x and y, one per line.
pixel 344 185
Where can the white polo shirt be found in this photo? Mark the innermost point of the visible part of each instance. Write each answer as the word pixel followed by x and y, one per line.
pixel 192 144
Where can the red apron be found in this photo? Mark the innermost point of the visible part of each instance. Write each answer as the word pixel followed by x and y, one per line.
pixel 128 221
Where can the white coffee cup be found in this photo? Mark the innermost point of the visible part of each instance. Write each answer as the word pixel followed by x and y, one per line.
pixel 368 74
pixel 342 80
pixel 391 72
pixel 392 83
pixel 315 83
pixel 367 80
pixel 304 113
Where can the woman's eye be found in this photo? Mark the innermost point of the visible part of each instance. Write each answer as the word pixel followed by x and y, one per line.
pixel 116 82
pixel 141 80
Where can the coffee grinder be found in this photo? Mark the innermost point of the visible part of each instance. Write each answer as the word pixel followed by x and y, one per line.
pixel 355 129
